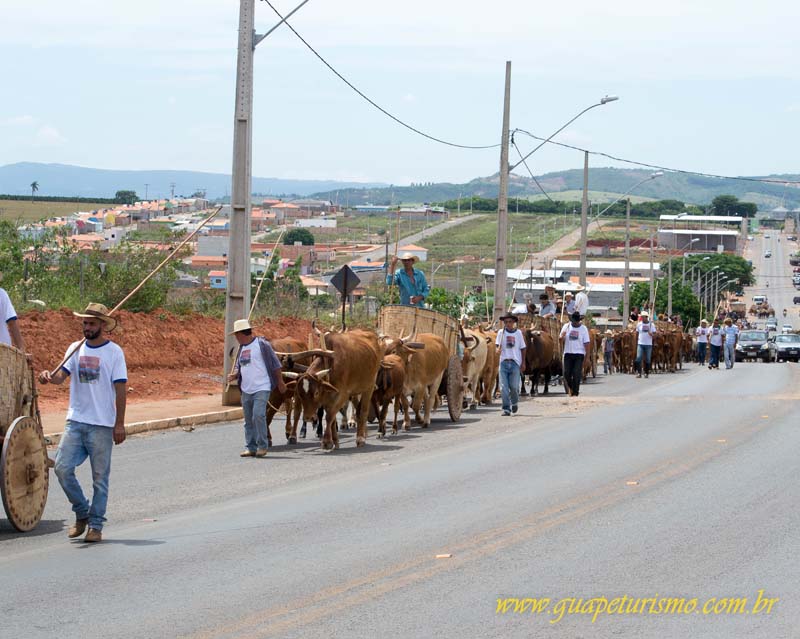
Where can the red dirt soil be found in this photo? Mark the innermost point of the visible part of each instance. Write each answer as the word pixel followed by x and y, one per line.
pixel 168 356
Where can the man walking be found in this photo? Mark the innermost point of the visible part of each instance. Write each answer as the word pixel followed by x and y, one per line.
pixel 715 341
pixel 258 371
pixel 9 328
pixel 95 419
pixel 574 338
pixel 702 341
pixel 581 301
pixel 410 281
pixel 510 343
pixel 730 336
pixel 608 353
pixel 644 348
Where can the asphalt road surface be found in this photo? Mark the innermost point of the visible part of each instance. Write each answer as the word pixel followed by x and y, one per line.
pixel 777 272
pixel 683 485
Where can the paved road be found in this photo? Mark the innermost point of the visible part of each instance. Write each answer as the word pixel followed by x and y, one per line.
pixel 682 485
pixel 777 271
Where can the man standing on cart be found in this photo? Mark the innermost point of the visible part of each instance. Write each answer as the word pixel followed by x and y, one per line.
pixel 410 281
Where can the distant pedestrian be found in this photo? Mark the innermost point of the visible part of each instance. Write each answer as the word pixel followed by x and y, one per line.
pixel 546 306
pixel 730 336
pixel 582 301
pixel 608 353
pixel 258 372
pixel 95 419
pixel 510 343
pixel 715 342
pixel 410 281
pixel 701 332
pixel 644 346
pixel 574 339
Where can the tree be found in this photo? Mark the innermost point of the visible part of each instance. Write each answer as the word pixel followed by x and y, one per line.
pixel 299 235
pixel 126 197
pixel 34 188
pixel 730 205
pixel 684 301
pixel 445 302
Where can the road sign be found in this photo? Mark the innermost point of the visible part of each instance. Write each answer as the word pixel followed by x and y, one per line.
pixel 345 281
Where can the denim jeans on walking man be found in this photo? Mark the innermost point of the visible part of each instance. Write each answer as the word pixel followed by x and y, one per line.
pixel 701 352
pixel 713 360
pixel 254 407
pixel 646 351
pixel 509 383
pixel 79 442
pixel 730 353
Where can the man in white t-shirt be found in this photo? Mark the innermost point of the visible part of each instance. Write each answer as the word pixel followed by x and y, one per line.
pixel 715 342
pixel 9 329
pixel 730 336
pixel 581 301
pixel 644 344
pixel 510 343
pixel 701 332
pixel 95 419
pixel 258 371
pixel 574 337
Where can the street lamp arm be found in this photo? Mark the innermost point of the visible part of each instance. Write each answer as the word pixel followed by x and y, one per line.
pixel 605 100
pixel 655 175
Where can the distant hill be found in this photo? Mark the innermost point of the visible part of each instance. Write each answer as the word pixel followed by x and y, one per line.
pixel 68 180
pixel 678 186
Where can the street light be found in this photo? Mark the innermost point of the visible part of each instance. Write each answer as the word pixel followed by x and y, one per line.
pixel 652 176
pixel 683 271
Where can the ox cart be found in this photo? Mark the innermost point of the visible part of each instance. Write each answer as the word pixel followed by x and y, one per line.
pixel 397 320
pixel 24 463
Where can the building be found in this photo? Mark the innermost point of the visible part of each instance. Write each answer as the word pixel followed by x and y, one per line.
pixel 419 251
pixel 717 233
pixel 218 279
pixel 316 223
pixel 606 268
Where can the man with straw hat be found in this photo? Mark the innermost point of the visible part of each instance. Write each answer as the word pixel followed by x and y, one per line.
pixel 410 281
pixel 644 344
pixel 701 332
pixel 95 419
pixel 608 352
pixel 510 343
pixel 258 371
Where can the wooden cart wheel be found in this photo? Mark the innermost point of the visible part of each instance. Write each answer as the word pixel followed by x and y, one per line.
pixel 455 387
pixel 24 473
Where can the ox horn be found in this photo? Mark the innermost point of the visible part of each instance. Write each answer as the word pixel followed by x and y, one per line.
pixel 314 327
pixel 311 352
pixel 322 374
pixel 290 374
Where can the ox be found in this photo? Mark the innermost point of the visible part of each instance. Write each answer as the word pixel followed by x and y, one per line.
pixel 488 378
pixel 390 388
pixel 472 364
pixel 539 352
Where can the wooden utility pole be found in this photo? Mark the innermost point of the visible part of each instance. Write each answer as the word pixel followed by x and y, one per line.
pixel 626 292
pixel 500 266
pixel 584 216
pixel 237 301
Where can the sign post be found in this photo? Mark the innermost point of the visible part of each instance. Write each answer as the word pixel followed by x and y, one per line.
pixel 345 281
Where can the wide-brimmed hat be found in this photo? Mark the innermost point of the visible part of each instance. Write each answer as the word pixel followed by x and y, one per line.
pixel 98 311
pixel 579 287
pixel 544 296
pixel 575 317
pixel 240 325
pixel 568 293
pixel 409 256
pixel 608 332
pixel 644 313
pixel 510 316
pixel 704 321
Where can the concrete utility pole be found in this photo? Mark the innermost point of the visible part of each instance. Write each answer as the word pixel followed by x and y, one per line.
pixel 146 186
pixel 626 291
pixel 172 190
pixel 669 289
pixel 500 267
pixel 652 280
pixel 584 214
pixel 237 302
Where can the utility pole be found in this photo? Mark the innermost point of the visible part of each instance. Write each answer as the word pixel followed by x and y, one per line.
pixel 584 218
pixel 626 291
pixel 652 282
pixel 172 190
pixel 146 185
pixel 237 301
pixel 669 289
pixel 500 272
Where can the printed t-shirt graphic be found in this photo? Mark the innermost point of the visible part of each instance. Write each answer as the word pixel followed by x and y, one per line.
pixel 245 358
pixel 88 369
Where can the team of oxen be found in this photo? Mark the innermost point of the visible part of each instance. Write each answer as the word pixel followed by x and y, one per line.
pixel 356 375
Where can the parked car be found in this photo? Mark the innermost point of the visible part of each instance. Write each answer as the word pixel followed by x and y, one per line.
pixel 796 299
pixel 792 238
pixel 787 348
pixel 772 324
pixel 751 344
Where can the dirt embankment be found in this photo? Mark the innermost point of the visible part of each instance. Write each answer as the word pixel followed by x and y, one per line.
pixel 168 356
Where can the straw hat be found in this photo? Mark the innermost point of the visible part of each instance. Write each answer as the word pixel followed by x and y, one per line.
pixel 240 325
pixel 579 287
pixel 704 321
pixel 409 256
pixel 568 294
pixel 608 332
pixel 644 314
pixel 98 311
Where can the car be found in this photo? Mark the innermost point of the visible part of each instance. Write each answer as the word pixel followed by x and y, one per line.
pixel 751 345
pixel 792 238
pixel 749 238
pixel 759 299
pixel 772 324
pixel 786 328
pixel 787 348
pixel 767 253
pixel 796 299
pixel 766 237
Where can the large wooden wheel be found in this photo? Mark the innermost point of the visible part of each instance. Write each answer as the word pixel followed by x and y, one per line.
pixel 455 387
pixel 24 476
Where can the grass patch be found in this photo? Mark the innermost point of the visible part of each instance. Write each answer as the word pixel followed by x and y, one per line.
pixel 26 211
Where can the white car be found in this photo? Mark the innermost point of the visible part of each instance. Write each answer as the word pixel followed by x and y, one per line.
pixel 786 328
pixel 749 238
pixel 766 237
pixel 768 254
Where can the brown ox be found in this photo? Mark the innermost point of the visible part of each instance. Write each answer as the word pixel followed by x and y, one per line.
pixel 390 388
pixel 348 369
pixel 590 360
pixel 424 371
pixel 539 349
pixel 488 379
pixel 472 364
pixel 285 401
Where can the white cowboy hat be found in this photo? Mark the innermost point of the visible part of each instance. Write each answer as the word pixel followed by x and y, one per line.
pixel 98 311
pixel 409 256
pixel 240 325
pixel 704 321
pixel 644 314
pixel 567 293
pixel 578 287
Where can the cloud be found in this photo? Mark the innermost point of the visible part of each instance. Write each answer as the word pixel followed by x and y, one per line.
pixel 49 136
pixel 19 120
pixel 409 97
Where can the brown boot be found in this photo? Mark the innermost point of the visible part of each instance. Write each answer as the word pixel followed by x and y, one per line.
pixel 77 529
pixel 93 536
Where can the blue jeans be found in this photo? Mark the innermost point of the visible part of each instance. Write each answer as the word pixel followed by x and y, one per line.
pixel 645 350
pixel 79 442
pixel 509 383
pixel 701 352
pixel 254 406
pixel 713 359
pixel 730 353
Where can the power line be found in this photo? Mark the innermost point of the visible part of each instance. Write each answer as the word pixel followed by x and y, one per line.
pixel 657 166
pixel 533 177
pixel 369 100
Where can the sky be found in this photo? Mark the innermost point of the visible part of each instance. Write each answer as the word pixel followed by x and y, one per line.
pixel 710 86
